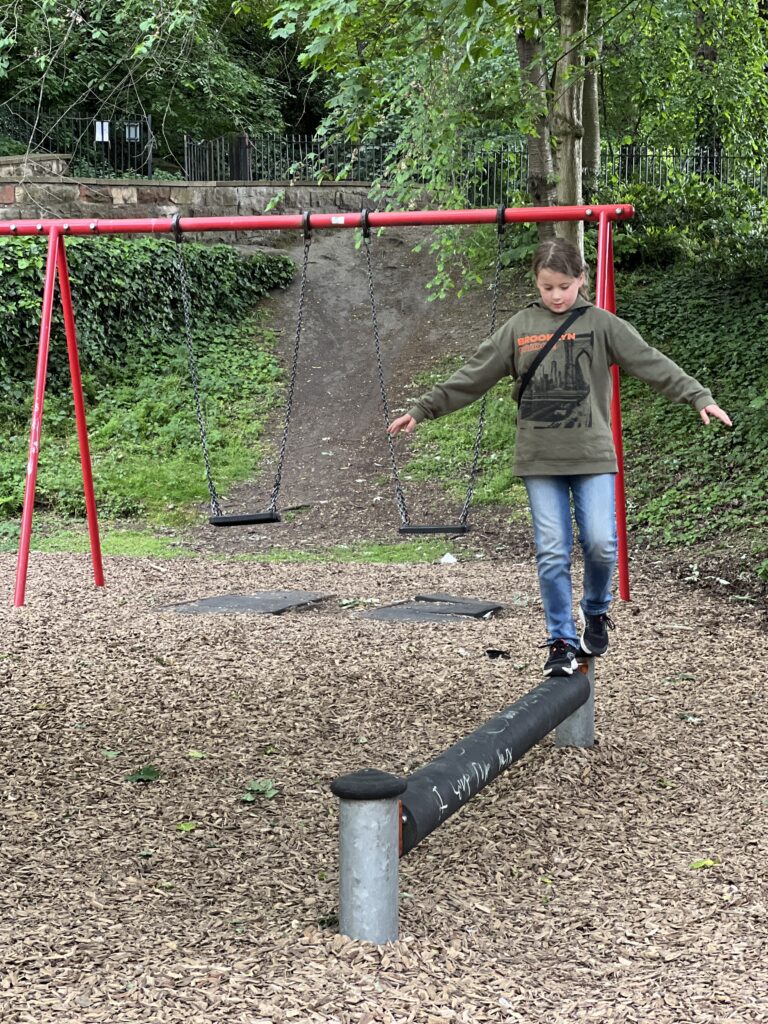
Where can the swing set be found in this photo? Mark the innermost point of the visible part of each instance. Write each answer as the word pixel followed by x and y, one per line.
pixel 272 513
pixel 56 267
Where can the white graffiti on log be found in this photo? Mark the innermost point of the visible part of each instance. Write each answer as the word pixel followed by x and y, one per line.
pixel 465 787
pixel 441 804
pixel 506 758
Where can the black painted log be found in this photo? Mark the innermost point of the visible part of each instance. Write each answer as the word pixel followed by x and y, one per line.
pixel 443 786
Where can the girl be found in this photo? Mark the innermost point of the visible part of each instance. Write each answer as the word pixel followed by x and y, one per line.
pixel 564 449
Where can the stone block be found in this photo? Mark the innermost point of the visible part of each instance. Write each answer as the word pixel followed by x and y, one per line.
pixel 224 195
pixel 188 197
pixel 257 193
pixel 96 194
pixel 7 194
pixel 45 195
pixel 153 193
pixel 124 195
pixel 299 198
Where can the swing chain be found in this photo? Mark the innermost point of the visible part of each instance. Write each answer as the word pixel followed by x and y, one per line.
pixel 399 495
pixel 484 403
pixel 193 370
pixel 294 367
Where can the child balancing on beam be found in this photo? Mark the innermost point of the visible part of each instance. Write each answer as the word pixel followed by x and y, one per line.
pixel 564 447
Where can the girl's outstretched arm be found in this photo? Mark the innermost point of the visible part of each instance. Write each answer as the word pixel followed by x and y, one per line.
pixel 717 412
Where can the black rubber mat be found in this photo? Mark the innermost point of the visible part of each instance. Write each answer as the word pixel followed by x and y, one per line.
pixel 468 605
pixel 264 602
pixel 435 608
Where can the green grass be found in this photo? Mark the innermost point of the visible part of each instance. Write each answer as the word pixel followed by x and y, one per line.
pixel 144 437
pixel 74 539
pixel 396 553
pixel 442 450
pixel 56 535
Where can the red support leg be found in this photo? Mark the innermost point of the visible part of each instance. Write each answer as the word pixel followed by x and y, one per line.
pixel 80 419
pixel 605 294
pixel 54 241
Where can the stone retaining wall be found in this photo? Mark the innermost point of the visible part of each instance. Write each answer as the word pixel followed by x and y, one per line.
pixel 33 199
pixel 44 165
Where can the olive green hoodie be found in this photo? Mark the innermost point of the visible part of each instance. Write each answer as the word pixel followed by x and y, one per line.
pixel 564 420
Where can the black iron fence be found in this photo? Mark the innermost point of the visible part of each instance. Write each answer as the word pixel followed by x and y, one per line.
pixel 241 157
pixel 104 143
pixel 485 174
pixel 110 143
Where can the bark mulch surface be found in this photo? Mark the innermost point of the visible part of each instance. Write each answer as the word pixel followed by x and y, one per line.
pixel 624 883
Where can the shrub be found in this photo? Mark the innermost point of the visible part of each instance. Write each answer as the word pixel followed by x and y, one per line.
pixel 126 298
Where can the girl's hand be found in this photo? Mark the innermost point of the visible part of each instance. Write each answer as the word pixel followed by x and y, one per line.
pixel 406 423
pixel 717 412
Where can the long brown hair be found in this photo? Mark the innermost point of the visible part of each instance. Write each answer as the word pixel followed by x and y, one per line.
pixel 563 257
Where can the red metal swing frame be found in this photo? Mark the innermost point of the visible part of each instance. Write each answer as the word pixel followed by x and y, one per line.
pixel 56 266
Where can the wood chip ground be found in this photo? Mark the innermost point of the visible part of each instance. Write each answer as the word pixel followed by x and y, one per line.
pixel 624 884
pixel 567 891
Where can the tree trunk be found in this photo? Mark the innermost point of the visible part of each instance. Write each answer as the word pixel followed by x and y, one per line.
pixel 566 122
pixel 591 117
pixel 541 173
pixel 707 132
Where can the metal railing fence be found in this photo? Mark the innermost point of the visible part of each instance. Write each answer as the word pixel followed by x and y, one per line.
pixel 485 174
pixel 241 157
pixel 105 142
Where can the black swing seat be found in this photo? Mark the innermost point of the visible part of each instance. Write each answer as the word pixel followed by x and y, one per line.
pixel 247 519
pixel 455 528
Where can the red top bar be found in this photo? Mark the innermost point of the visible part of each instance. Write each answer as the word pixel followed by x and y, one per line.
pixel 277 222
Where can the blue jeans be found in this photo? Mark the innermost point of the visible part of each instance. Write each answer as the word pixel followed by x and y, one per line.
pixel 594 504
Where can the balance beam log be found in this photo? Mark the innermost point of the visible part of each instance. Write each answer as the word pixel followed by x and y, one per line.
pixel 382 815
pixel 443 786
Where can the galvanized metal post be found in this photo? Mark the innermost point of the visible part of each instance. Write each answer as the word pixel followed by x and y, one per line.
pixel 578 730
pixel 369 854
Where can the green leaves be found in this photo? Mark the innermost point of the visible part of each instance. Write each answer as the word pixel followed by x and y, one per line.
pixel 259 787
pixel 703 864
pixel 149 773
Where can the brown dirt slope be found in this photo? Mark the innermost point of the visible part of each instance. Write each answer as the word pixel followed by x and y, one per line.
pixel 337 460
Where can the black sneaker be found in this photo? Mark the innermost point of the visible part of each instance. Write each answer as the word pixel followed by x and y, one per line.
pixel 562 659
pixel 594 633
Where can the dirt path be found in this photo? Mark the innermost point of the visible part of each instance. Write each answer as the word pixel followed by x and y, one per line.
pixel 337 460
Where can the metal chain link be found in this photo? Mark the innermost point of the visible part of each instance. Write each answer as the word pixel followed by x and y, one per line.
pixel 186 304
pixel 399 495
pixel 292 382
pixel 484 403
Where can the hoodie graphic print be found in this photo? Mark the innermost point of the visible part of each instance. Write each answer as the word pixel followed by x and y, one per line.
pixel 559 394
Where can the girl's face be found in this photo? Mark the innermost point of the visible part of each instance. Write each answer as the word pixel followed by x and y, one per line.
pixel 558 291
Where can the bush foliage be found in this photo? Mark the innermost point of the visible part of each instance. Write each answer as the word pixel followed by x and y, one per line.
pixel 127 302
pixel 142 425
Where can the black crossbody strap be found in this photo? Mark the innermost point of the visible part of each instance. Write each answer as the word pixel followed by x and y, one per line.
pixel 526 378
